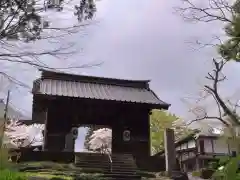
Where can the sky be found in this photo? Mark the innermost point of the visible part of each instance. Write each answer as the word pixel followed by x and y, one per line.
pixel 136 39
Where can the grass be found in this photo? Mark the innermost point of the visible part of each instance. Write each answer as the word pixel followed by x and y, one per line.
pixel 48 176
pixel 10 171
pixel 7 174
pixel 4 159
pixel 57 167
pixel 59 170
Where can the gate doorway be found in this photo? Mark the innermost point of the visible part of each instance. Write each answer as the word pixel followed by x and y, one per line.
pixel 95 139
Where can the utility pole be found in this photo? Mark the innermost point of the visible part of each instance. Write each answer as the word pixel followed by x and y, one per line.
pixel 6 107
pixel 5 119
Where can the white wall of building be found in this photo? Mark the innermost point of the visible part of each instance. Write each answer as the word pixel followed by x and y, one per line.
pixel 217 146
pixel 220 146
pixel 208 148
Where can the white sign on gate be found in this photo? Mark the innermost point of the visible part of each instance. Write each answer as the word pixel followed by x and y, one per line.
pixel 126 135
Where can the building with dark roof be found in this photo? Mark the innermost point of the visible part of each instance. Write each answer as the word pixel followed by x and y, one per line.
pixel 196 150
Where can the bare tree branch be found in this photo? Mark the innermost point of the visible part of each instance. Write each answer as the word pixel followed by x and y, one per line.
pixel 213 10
pixel 23 22
pixel 216 77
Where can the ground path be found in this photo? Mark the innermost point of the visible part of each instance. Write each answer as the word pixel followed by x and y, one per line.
pixel 193 178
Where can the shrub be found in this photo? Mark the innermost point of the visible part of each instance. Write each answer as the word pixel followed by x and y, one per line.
pixel 224 160
pixel 213 165
pixel 196 173
pixel 229 171
pixel 206 173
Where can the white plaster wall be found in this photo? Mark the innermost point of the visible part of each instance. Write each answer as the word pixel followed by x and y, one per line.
pixel 208 146
pixel 220 146
pixel 184 146
pixel 191 144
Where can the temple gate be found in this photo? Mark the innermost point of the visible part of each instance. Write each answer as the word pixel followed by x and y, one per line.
pixel 63 101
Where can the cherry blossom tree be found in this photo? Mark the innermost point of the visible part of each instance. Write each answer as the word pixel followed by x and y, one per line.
pixel 101 141
pixel 17 134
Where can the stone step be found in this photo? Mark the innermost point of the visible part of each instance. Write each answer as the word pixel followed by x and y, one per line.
pixel 92 162
pixel 123 168
pixel 123 164
pixel 122 157
pixel 120 172
pixel 117 175
pixel 124 178
pixel 93 167
pixel 91 157
pixel 107 166
pixel 123 160
pixel 115 164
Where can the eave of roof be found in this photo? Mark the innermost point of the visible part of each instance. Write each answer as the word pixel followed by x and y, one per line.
pixel 57 75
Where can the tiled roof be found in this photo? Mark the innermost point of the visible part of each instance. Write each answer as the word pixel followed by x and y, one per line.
pixel 99 91
pixel 71 85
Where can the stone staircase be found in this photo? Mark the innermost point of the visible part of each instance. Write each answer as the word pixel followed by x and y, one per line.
pixel 118 167
pixel 123 168
pixel 92 161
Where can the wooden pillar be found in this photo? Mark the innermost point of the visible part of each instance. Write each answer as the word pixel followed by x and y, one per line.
pixel 45 113
pixel 117 142
pixel 170 153
pixel 198 166
pixel 198 152
pixel 55 131
pixel 70 142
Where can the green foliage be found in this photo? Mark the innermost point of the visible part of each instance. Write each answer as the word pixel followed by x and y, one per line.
pixel 12 175
pixel 223 160
pixel 230 50
pixel 213 165
pixel 23 20
pixel 229 171
pixel 159 121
